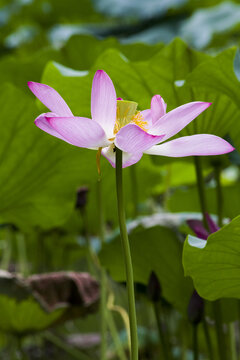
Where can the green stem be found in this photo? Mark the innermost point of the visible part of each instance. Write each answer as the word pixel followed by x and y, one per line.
pixel 219 195
pixel 134 189
pixel 127 257
pixel 103 299
pixel 219 330
pixel 195 342
pixel 201 192
pixel 232 341
pixel 161 333
pixel 208 339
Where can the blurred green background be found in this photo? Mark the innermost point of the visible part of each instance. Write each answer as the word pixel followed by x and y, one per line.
pixel 183 50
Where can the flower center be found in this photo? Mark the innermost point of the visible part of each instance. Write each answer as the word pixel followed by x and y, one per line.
pixel 127 113
pixel 138 119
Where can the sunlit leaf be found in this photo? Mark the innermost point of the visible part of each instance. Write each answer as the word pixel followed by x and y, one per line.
pixel 213 264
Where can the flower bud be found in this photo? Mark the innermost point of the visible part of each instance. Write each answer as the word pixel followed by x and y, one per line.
pixel 154 290
pixel 195 308
pixel 82 197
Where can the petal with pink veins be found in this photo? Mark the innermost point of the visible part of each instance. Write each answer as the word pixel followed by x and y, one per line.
pixel 50 98
pixel 104 102
pixel 79 131
pixel 127 158
pixel 194 145
pixel 158 108
pixel 147 116
pixel 132 139
pixel 43 124
pixel 175 120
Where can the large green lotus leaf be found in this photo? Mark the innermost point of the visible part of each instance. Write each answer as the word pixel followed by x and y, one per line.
pixel 218 75
pixel 162 74
pixel 39 175
pixel 26 316
pixel 91 48
pixel 156 249
pixel 158 75
pixel 188 200
pixel 214 264
pixel 138 81
pixel 21 69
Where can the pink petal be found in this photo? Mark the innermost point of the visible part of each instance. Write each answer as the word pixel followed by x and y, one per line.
pixel 174 121
pixel 132 139
pixel 213 227
pixel 104 102
pixel 79 131
pixel 50 98
pixel 202 144
pixel 147 116
pixel 198 228
pixel 158 108
pixel 128 159
pixel 43 124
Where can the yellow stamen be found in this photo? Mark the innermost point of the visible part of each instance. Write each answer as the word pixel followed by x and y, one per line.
pixel 138 119
pixel 127 114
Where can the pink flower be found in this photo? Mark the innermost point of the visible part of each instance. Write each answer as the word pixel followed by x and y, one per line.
pixel 199 229
pixel 118 123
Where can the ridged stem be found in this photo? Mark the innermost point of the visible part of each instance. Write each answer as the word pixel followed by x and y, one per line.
pixel 127 257
pixel 103 276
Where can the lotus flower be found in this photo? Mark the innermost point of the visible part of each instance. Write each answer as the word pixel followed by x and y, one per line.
pixel 118 123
